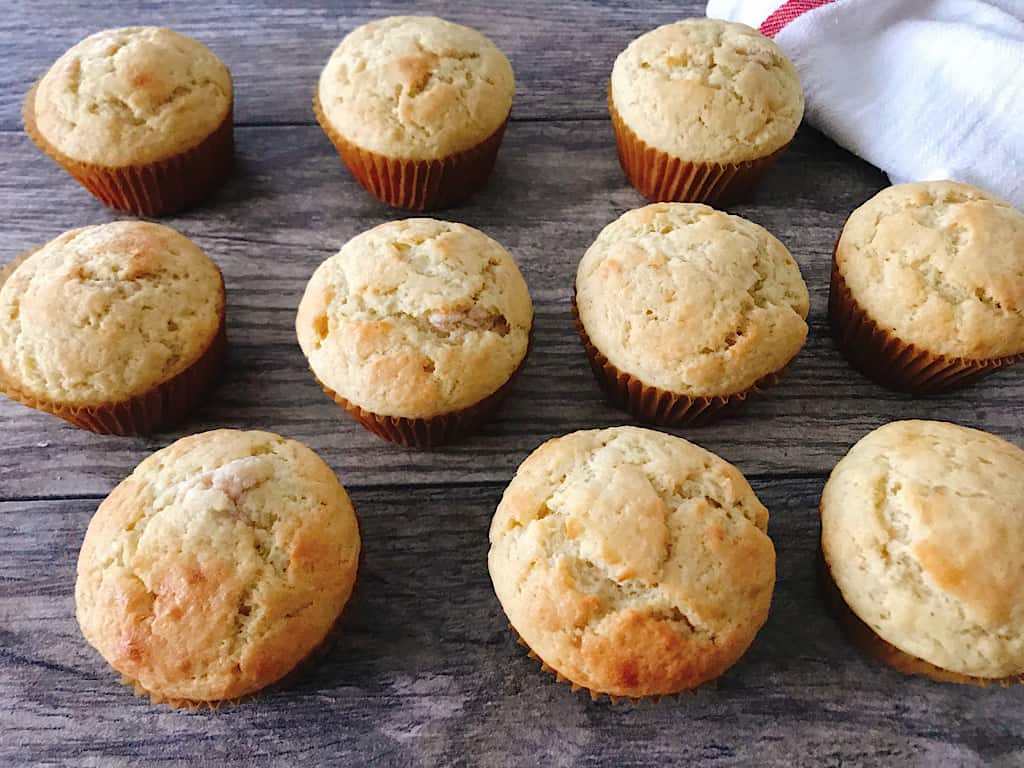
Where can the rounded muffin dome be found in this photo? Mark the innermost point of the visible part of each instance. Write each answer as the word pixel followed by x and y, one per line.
pixel 923 534
pixel 131 96
pixel 691 300
pixel 219 564
pixel 416 87
pixel 632 562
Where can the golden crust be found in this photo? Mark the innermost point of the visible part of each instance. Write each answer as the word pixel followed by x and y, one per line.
pixel 632 562
pixel 219 564
pixel 132 96
pixel 706 90
pixel 939 265
pixel 923 533
pixel 415 319
pixel 692 300
pixel 102 314
pixel 416 87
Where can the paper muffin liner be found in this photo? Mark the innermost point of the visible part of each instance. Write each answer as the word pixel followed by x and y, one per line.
pixel 432 432
pixel 661 177
pixel 654 405
pixel 598 695
pixel 161 407
pixel 893 363
pixel 418 185
pixel 864 638
pixel 158 188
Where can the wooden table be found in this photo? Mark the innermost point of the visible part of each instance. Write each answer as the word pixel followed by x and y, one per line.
pixel 426 671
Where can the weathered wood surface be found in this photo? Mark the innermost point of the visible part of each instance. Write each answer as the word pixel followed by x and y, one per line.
pixel 425 671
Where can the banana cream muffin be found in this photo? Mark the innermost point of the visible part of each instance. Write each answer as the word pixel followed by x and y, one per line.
pixel 417 328
pixel 141 116
pixel 928 286
pixel 416 107
pixel 701 108
pixel 632 562
pixel 922 530
pixel 117 328
pixel 217 566
pixel 685 311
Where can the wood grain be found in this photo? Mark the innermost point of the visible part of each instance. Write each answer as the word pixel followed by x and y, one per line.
pixel 290 204
pixel 425 671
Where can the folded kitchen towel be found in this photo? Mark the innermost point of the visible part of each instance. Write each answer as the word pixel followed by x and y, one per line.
pixel 924 89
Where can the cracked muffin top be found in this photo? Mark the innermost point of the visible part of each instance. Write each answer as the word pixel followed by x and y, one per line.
pixel 221 562
pixel 416 318
pixel 922 528
pixel 939 265
pixel 104 313
pixel 632 562
pixel 416 87
pixel 131 96
pixel 691 300
pixel 708 91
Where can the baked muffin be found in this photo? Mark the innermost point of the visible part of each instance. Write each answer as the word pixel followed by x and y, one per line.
pixel 928 286
pixel 632 562
pixel 140 116
pixel 416 107
pixel 217 566
pixel 417 328
pixel 922 531
pixel 685 311
pixel 117 328
pixel 701 108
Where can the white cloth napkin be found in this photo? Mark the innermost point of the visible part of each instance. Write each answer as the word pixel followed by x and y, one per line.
pixel 923 89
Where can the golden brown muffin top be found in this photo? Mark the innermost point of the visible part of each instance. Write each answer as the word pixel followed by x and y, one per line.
pixel 691 300
pixel 104 313
pixel 416 318
pixel 632 562
pixel 416 87
pixel 939 265
pixel 923 533
pixel 220 563
pixel 132 96
pixel 706 90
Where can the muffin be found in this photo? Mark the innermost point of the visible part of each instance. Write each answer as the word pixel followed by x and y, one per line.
pixel 701 108
pixel 922 532
pixel 140 116
pixel 416 107
pixel 685 311
pixel 117 328
pixel 632 563
pixel 417 328
pixel 928 286
pixel 217 566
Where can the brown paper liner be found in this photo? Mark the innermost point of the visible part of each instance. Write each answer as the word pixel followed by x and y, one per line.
pixel 152 189
pixel 661 177
pixel 161 407
pixel 863 637
pixel 432 432
pixel 418 185
pixel 653 405
pixel 598 695
pixel 893 363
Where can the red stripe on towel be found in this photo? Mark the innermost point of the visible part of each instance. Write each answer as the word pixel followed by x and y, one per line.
pixel 786 12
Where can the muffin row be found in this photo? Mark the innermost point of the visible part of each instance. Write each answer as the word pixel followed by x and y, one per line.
pixel 419 327
pixel 416 107
pixel 632 563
